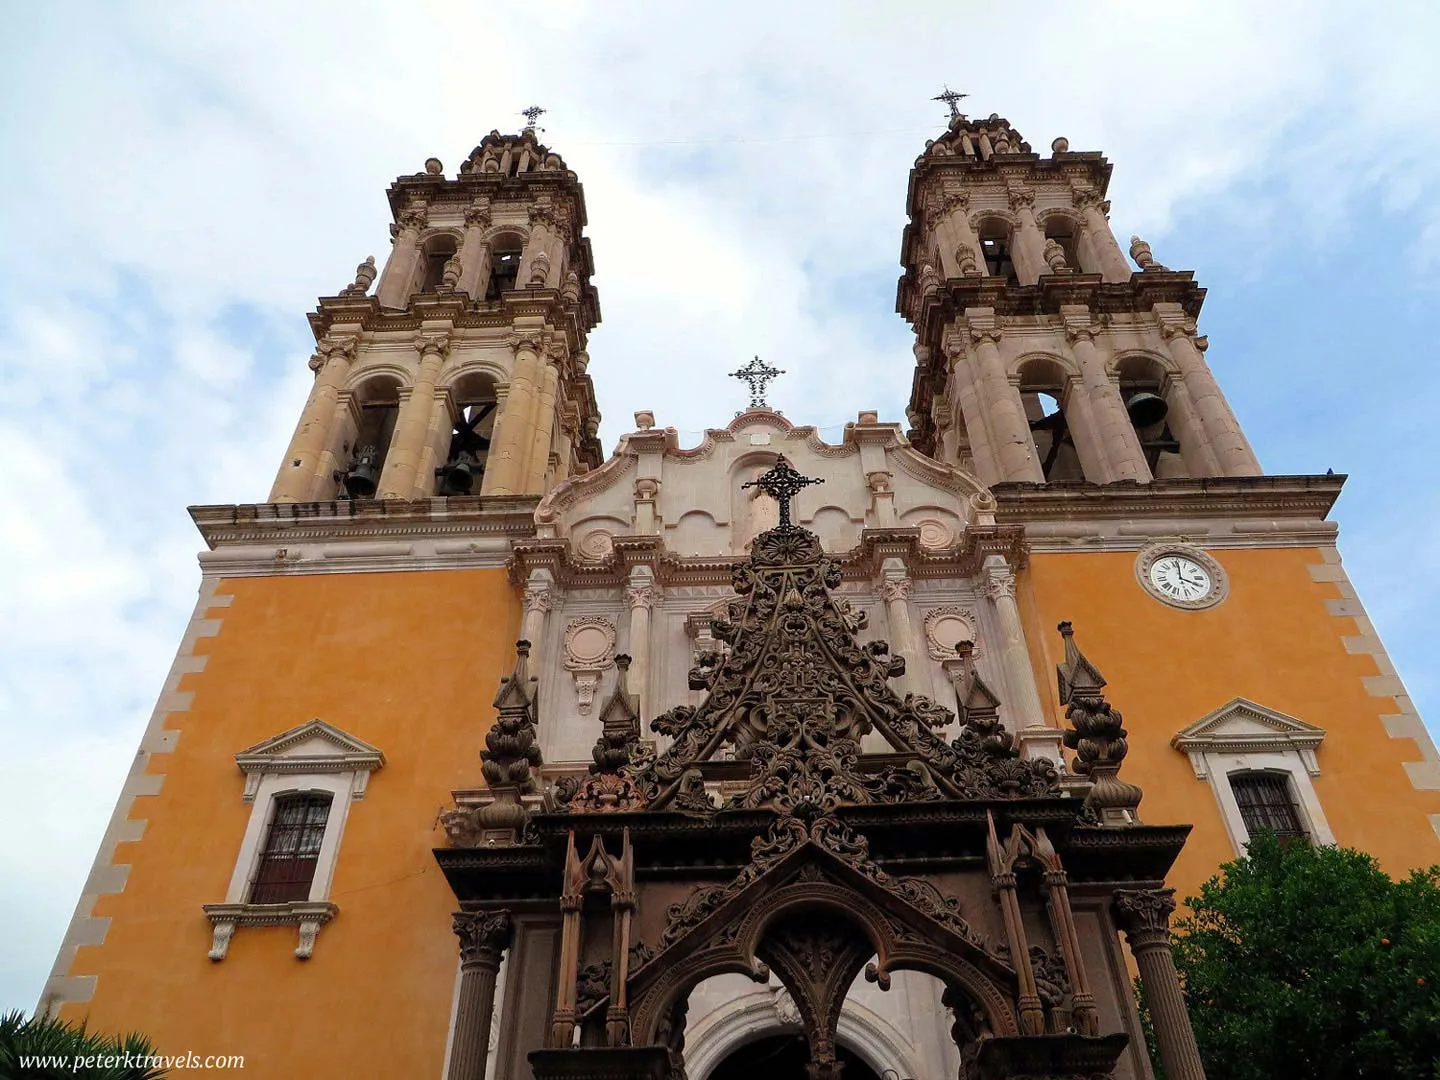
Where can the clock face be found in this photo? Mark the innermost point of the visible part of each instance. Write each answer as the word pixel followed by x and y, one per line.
pixel 1180 578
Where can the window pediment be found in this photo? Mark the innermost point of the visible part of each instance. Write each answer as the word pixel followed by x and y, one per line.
pixel 312 747
pixel 1243 726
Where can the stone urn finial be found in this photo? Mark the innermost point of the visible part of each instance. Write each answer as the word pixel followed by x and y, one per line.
pixel 433 167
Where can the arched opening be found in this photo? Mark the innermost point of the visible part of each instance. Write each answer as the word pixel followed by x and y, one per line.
pixel 437 251
pixel 783 1057
pixel 995 248
pixel 1062 230
pixel 1042 392
pixel 505 250
pixel 1144 387
pixel 374 406
pixel 472 422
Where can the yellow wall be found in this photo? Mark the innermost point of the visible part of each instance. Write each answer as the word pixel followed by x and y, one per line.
pixel 1272 641
pixel 408 662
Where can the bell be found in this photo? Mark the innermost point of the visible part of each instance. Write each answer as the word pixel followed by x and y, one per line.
pixel 360 481
pixel 456 478
pixel 1146 409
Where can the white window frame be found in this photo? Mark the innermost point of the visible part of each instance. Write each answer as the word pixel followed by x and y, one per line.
pixel 1244 736
pixel 313 757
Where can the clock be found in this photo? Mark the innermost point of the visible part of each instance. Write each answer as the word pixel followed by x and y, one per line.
pixel 1181 575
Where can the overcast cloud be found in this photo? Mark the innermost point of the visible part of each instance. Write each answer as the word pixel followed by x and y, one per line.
pixel 182 180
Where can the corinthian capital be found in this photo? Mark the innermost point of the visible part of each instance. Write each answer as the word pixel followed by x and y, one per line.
pixel 981 335
pixel 336 347
pixel 1080 332
pixel 1144 914
pixel 477 214
pixel 895 589
pixel 999 583
pixel 1020 196
pixel 484 937
pixel 539 598
pixel 641 596
pixel 414 217
pixel 1174 330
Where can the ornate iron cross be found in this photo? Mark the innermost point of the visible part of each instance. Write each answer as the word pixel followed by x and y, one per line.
pixel 951 98
pixel 782 483
pixel 531 114
pixel 758 375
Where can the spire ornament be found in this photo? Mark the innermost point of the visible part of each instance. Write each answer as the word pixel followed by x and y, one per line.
pixel 951 98
pixel 759 376
pixel 1096 734
pixel 531 114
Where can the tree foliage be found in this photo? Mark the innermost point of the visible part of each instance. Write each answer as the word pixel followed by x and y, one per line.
pixel 1310 961
pixel 57 1045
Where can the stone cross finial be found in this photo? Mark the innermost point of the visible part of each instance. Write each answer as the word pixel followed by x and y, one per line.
pixel 758 375
pixel 782 483
pixel 531 114
pixel 951 98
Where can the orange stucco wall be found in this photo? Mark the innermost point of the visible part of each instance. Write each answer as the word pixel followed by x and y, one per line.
pixel 408 662
pixel 1272 641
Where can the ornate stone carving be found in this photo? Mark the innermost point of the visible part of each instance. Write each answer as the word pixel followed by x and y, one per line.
pixel 966 261
pixel 364 277
pixel 589 650
pixel 425 344
pixel 1140 252
pixel 1096 735
pixel 935 533
pixel 415 218
pixel 1144 914
pixel 895 589
pixel 484 937
pixel 641 596
pixel 477 214
pixel 1055 257
pixel 947 628
pixel 511 754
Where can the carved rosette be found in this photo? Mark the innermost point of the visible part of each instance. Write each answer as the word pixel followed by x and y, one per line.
pixel 947 629
pixel 484 937
pixel 589 651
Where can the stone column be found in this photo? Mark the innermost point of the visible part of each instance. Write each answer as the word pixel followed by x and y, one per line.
pixel 542 422
pixel 474 251
pixel 1036 738
pixel 967 397
pixel 1118 442
pixel 1195 449
pixel 641 595
pixel 1144 915
pixel 511 438
pixel 895 591
pixel 399 274
pixel 537 244
pixel 1113 266
pixel 1028 249
pixel 1000 404
pixel 1222 431
pixel 484 937
pixel 295 481
pixel 412 426
pixel 1085 432
pixel 539 602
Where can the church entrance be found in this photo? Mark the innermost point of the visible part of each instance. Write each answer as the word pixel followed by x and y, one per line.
pixel 784 1057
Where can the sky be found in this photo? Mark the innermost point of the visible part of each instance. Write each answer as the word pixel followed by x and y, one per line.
pixel 181 181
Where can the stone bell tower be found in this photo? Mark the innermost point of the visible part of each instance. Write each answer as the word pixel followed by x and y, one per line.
pixel 1040 355
pixel 463 373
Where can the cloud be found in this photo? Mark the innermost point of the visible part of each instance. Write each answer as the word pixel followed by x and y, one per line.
pixel 183 181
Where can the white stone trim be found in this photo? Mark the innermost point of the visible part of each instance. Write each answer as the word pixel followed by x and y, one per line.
pixel 1405 721
pixel 286 754
pixel 1242 736
pixel 107 877
pixel 308 916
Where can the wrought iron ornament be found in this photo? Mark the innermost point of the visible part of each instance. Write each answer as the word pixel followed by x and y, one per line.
pixel 782 483
pixel 533 113
pixel 951 98
pixel 759 376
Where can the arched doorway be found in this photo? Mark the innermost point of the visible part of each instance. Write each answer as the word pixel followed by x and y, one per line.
pixel 783 1057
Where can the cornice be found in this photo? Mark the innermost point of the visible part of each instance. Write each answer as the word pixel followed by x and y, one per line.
pixel 501 516
pixel 363 314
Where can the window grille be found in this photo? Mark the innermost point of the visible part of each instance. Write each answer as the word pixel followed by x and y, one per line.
pixel 292 849
pixel 1266 803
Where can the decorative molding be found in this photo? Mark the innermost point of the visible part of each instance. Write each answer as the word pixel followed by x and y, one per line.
pixel 306 915
pixel 589 645
pixel 946 627
pixel 1152 553
pixel 343 753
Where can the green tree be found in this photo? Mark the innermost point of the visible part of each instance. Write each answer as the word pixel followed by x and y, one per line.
pixel 1311 962
pixel 57 1045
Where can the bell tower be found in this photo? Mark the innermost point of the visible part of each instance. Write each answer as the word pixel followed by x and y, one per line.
pixel 463 373
pixel 1040 355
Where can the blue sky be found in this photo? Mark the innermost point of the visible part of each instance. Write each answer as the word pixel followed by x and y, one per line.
pixel 183 181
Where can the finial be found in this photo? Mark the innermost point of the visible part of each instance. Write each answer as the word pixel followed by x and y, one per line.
pixel 1078 677
pixel 758 375
pixel 433 166
pixel 951 98
pixel 1060 145
pixel 782 483
pixel 533 113
pixel 1140 252
pixel 1097 736
pixel 364 278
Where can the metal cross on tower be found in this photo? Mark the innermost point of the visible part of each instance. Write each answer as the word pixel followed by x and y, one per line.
pixel 782 483
pixel 951 98
pixel 531 114
pixel 758 375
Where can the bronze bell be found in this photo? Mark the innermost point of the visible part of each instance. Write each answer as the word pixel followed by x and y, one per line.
pixel 361 480
pixel 456 478
pixel 1146 409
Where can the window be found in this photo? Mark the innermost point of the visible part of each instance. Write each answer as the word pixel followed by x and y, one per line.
pixel 292 848
pixel 1265 802
pixel 1258 762
pixel 995 250
pixel 374 408
pixel 1062 231
pixel 438 251
pixel 472 426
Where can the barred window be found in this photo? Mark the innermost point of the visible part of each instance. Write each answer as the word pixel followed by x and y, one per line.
pixel 292 848
pixel 1265 802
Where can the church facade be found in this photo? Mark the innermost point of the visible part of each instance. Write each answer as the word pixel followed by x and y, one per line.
pixel 667 845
